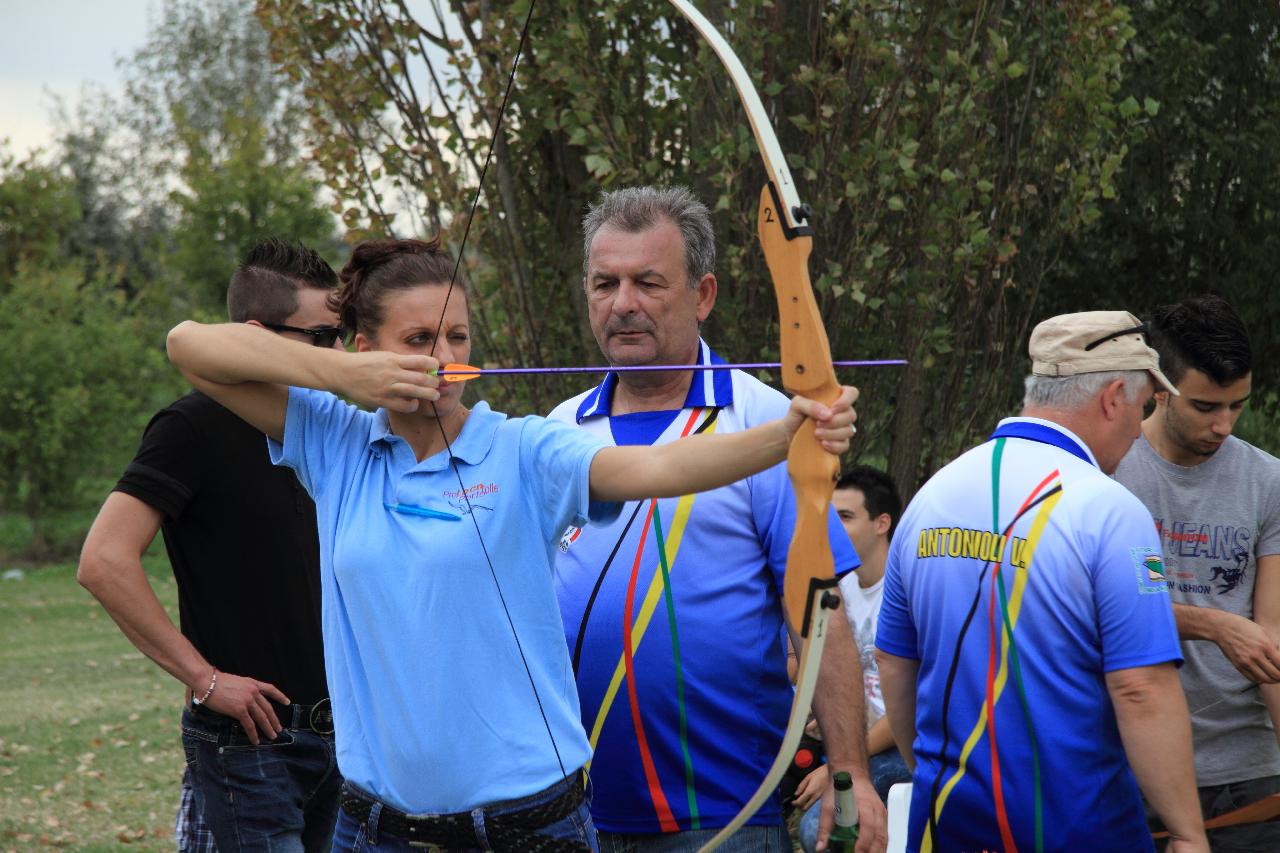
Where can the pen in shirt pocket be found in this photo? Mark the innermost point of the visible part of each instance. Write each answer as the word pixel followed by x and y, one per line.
pixel 422 511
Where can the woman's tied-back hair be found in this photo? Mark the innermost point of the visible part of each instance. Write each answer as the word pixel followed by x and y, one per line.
pixel 378 267
pixel 1202 333
pixel 265 285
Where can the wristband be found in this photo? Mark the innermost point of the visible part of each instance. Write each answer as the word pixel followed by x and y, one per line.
pixel 213 682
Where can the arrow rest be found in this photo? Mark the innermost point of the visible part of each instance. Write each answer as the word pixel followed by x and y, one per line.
pixel 800 213
pixel 820 594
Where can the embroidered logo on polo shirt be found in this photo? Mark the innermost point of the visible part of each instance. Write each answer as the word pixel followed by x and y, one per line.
pixel 481 496
pixel 1149 566
pixel 569 536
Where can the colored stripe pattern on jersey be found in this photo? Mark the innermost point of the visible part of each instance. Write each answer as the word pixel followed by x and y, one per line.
pixel 673 616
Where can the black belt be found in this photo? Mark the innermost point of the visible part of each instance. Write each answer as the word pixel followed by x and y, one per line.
pixel 316 718
pixel 510 831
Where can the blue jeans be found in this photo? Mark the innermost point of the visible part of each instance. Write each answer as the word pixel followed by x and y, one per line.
pixel 280 795
pixel 749 839
pixel 887 769
pixel 352 836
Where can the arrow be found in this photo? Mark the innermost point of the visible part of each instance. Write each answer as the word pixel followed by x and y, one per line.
pixel 464 372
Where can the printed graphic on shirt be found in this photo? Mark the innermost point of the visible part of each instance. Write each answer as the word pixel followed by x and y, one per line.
pixel 1232 576
pixel 1208 559
pixel 478 497
pixel 1149 566
pixel 569 536
pixel 865 636
pixel 981 545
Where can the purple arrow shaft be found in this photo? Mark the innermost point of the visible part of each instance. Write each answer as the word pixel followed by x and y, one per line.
pixel 653 368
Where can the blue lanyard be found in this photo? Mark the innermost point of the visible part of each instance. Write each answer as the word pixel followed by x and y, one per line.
pixel 1044 435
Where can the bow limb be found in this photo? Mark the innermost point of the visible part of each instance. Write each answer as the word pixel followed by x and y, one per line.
pixel 787 241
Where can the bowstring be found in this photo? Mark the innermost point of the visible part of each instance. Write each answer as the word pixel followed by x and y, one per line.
pixel 453 461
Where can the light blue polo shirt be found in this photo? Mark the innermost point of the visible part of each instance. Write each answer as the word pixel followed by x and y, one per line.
pixel 432 706
pixel 1018 577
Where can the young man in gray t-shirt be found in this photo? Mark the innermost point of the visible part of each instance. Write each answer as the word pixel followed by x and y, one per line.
pixel 1216 503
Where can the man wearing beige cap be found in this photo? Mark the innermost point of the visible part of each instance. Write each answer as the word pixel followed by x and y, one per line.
pixel 1026 642
pixel 1216 502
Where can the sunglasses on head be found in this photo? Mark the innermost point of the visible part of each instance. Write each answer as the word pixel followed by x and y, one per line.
pixel 1140 329
pixel 319 337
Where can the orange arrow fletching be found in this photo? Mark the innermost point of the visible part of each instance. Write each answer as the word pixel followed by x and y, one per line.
pixel 458 372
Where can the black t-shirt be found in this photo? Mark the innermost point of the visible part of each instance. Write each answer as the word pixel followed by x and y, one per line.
pixel 241 536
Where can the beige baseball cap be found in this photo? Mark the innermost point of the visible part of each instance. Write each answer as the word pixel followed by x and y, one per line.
pixel 1094 342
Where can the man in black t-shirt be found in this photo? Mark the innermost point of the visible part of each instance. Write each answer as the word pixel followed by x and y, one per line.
pixel 241 538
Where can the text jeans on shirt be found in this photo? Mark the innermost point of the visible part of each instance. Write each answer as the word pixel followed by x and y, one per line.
pixel 281 795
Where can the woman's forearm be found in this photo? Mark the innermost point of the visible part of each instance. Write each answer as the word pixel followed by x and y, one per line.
pixel 234 353
pixel 694 464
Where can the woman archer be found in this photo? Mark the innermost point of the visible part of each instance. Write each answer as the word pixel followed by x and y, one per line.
pixel 456 713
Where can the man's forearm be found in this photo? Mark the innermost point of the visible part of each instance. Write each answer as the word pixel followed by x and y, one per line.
pixel 125 594
pixel 1198 623
pixel 1160 755
pixel 898 686
pixel 838 702
pixel 111 569
pixel 879 737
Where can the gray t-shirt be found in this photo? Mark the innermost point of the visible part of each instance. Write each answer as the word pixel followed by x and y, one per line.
pixel 1215 519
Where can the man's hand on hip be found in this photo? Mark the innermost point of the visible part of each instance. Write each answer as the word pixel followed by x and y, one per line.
pixel 248 701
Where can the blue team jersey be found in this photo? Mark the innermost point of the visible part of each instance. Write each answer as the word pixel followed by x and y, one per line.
pixel 673 614
pixel 1018 577
pixel 432 704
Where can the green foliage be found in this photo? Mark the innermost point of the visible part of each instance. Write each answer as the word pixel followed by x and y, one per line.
pixel 1198 198
pixel 79 381
pixel 204 62
pixel 234 195
pixel 136 220
pixel 202 155
pixel 38 208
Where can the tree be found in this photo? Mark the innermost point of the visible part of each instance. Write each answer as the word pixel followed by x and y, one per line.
pixel 202 155
pixel 82 367
pixel 70 400
pixel 1196 204
pixel 38 209
pixel 234 196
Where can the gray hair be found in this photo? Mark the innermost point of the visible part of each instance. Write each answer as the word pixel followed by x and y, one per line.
pixel 634 209
pixel 1065 393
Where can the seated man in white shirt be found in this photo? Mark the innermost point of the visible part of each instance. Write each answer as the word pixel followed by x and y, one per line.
pixel 867 501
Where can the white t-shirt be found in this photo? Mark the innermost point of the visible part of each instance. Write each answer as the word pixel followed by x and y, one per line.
pixel 862 607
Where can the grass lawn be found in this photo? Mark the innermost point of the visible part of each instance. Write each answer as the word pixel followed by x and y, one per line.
pixel 90 757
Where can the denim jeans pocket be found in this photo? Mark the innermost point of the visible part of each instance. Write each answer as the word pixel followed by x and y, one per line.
pixel 189 753
pixel 191 732
pixel 575 826
pixel 237 741
pixel 348 835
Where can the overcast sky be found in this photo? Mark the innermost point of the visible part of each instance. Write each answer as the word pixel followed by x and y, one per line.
pixel 57 46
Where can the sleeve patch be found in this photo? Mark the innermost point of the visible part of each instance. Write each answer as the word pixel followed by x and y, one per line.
pixel 1149 567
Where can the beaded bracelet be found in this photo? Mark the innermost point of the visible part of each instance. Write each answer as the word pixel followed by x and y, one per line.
pixel 212 684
